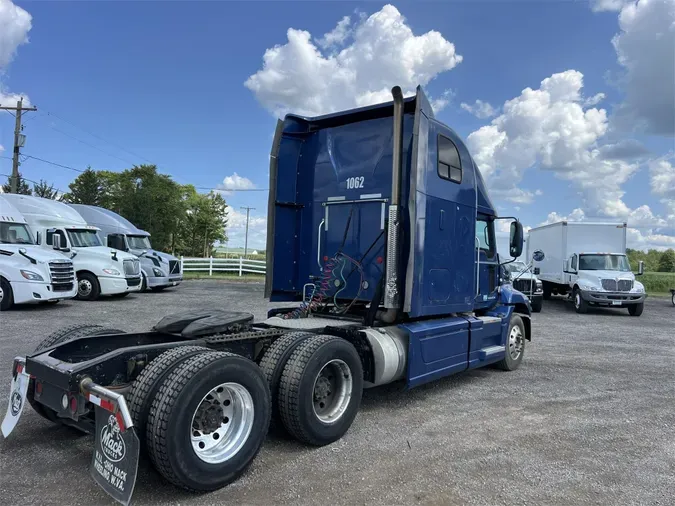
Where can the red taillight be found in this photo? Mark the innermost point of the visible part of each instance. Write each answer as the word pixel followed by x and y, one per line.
pixel 38 387
pixel 380 260
pixel 73 404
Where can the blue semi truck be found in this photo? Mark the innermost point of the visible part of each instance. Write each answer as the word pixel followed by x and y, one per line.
pixel 382 233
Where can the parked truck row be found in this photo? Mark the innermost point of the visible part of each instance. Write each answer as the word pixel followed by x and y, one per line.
pixel 67 256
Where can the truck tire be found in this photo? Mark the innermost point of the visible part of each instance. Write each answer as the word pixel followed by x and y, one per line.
pixel 273 362
pixel 88 287
pixel 547 290
pixel 537 305
pixel 580 305
pixel 145 386
pixel 320 390
pixel 208 420
pixel 59 337
pixel 7 296
pixel 144 283
pixel 636 309
pixel 673 299
pixel 515 345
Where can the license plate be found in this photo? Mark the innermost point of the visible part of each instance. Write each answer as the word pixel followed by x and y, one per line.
pixel 17 400
pixel 616 303
pixel 115 461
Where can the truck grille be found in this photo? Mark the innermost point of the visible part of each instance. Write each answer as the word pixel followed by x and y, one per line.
pixel 622 285
pixel 174 267
pixel 63 275
pixel 523 285
pixel 132 268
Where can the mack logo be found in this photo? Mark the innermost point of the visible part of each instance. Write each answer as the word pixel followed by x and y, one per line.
pixel 112 443
pixel 16 403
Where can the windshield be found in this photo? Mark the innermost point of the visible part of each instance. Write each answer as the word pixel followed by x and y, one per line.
pixel 603 263
pixel 15 233
pixel 515 267
pixel 138 241
pixel 84 238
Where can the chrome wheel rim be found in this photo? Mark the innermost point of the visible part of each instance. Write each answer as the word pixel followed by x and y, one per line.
pixel 222 423
pixel 515 342
pixel 577 301
pixel 332 391
pixel 84 287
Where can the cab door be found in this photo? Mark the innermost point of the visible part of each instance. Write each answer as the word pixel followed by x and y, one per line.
pixel 487 260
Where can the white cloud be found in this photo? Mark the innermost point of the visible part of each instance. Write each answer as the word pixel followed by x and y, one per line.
pixel 662 178
pixel 15 23
pixel 479 109
pixel 443 101
pixel 384 52
pixel 236 230
pixel 338 35
pixel 607 5
pixel 645 48
pixel 233 183
pixel 594 100
pixel 627 149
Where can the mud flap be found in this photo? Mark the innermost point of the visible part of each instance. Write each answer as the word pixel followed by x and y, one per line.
pixel 116 452
pixel 17 399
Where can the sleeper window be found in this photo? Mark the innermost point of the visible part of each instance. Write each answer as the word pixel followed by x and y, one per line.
pixel 449 164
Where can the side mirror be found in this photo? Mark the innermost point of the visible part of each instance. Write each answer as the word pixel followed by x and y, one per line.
pixel 516 239
pixel 641 268
pixel 59 242
pixel 538 256
pixel 537 270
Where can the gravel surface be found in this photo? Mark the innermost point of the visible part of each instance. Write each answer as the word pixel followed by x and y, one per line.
pixel 589 418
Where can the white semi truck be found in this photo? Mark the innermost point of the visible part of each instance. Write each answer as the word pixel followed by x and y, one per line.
pixel 160 270
pixel 100 270
pixel 588 262
pixel 29 274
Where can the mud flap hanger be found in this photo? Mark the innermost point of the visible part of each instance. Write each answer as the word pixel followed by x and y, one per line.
pixel 117 448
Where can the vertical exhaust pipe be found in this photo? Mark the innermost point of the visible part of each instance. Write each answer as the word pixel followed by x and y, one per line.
pixel 392 289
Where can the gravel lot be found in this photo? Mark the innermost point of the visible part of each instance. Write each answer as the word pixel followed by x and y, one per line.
pixel 588 419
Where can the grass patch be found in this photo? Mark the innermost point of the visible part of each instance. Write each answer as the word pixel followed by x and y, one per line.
pixel 231 276
pixel 658 282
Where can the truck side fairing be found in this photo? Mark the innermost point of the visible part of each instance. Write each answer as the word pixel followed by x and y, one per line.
pixel 330 183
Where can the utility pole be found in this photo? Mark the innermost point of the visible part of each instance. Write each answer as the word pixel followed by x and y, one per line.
pixel 248 211
pixel 19 140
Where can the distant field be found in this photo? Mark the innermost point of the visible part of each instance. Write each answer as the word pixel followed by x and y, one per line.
pixel 658 282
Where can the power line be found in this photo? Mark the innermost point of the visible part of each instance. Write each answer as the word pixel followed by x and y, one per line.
pixel 32 181
pixel 54 163
pixel 90 145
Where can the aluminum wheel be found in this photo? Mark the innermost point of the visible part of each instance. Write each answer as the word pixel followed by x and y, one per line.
pixel 84 288
pixel 515 342
pixel 222 423
pixel 332 391
pixel 577 300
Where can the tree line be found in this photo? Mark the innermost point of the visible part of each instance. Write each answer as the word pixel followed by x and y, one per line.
pixel 179 219
pixel 655 261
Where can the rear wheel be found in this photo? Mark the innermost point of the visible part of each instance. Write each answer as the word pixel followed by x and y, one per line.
pixel 320 390
pixel 144 389
pixel 208 420
pixel 88 287
pixel 580 305
pixel 547 290
pixel 273 362
pixel 60 337
pixel 7 298
pixel 515 345
pixel 636 309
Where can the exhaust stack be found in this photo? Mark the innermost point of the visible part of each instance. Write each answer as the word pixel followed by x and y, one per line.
pixel 392 289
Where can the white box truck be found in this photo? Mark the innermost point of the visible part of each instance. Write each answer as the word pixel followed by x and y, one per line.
pixel 588 262
pixel 29 274
pixel 160 270
pixel 100 270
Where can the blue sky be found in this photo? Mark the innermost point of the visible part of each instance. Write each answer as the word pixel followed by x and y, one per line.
pixel 182 84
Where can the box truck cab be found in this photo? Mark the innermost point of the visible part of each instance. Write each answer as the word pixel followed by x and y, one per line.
pixel 588 262
pixel 524 279
pixel 160 270
pixel 58 227
pixel 29 274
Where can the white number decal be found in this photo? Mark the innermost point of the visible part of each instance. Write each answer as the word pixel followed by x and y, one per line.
pixel 355 182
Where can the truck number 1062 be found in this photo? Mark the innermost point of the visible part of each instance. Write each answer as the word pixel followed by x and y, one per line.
pixel 355 182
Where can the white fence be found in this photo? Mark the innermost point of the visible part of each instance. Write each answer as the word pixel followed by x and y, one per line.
pixel 214 265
